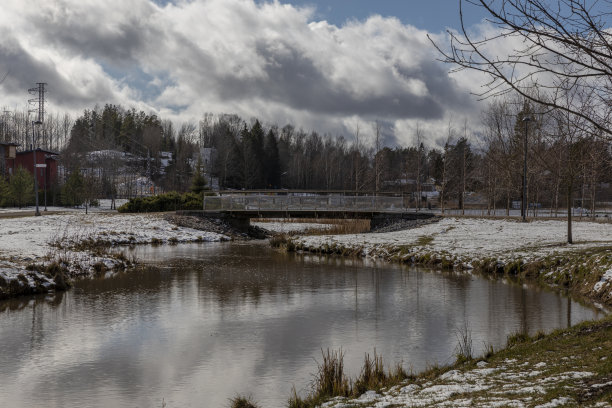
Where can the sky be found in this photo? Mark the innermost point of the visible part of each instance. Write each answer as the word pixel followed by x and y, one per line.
pixel 336 67
pixel 431 15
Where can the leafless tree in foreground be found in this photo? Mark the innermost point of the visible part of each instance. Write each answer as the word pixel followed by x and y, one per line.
pixel 565 48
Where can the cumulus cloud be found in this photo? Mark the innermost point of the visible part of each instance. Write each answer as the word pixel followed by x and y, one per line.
pixel 269 60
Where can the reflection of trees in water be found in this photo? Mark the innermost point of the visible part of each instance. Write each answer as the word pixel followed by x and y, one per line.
pixel 19 303
pixel 245 275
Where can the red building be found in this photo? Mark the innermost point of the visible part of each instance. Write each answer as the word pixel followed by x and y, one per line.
pixel 46 165
pixel 8 152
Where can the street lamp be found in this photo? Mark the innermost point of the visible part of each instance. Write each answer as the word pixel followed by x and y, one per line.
pixel 35 123
pixel 524 200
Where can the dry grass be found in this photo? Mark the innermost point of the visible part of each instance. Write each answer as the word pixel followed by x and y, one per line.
pixel 337 226
pixel 331 381
pixel 243 402
pixel 464 349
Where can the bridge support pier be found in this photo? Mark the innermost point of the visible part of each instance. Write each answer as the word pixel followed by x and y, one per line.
pixel 241 223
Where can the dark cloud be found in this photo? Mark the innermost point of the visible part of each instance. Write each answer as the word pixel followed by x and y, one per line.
pixel 24 71
pixel 295 80
pixel 118 43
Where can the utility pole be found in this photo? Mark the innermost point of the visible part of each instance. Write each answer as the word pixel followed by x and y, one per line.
pixel 40 89
pixel 524 200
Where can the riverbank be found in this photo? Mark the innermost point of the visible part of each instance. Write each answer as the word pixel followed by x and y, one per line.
pixel 534 251
pixel 42 254
pixel 568 367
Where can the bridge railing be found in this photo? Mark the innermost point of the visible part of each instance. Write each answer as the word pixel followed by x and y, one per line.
pixel 267 202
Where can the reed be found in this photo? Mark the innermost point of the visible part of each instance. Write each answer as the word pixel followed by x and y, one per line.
pixel 241 401
pixel 331 381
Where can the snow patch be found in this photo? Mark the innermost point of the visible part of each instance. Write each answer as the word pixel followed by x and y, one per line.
pixel 557 402
pixel 605 280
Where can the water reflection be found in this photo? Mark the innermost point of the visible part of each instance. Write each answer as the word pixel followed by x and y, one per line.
pixel 211 320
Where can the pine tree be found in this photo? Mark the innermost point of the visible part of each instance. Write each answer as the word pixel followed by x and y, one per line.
pixel 4 191
pixel 198 183
pixel 21 187
pixel 72 191
pixel 252 157
pixel 272 164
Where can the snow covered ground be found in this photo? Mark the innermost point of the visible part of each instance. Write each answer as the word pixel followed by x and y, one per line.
pixel 104 206
pixel 510 384
pixel 465 241
pixel 568 367
pixel 26 238
pixel 475 238
pixel 53 237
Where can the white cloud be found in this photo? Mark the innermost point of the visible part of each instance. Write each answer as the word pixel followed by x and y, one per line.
pixel 269 61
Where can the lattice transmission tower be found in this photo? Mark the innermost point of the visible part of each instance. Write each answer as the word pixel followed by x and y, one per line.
pixel 37 105
pixel 36 125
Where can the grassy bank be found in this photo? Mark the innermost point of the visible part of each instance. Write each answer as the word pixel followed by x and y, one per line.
pixel 35 279
pixel 583 273
pixel 571 367
pixel 568 367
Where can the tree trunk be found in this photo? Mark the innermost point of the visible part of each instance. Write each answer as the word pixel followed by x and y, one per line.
pixel 569 214
pixel 507 203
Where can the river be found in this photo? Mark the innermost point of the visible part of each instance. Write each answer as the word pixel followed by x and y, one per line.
pixel 210 321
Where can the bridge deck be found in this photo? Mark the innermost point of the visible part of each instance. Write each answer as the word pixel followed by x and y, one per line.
pixel 337 203
pixel 239 208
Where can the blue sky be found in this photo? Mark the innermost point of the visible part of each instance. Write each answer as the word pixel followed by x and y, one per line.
pixel 431 15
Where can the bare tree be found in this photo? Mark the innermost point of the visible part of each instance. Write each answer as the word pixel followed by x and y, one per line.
pixel 566 48
pixel 377 158
pixel 356 158
pixel 419 148
pixel 445 160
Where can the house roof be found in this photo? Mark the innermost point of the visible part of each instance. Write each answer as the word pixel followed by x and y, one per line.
pixel 9 144
pixel 39 150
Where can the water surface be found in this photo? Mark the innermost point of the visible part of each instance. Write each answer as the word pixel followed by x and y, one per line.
pixel 214 320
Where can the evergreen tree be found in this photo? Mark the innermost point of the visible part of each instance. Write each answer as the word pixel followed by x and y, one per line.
pixel 72 191
pixel 272 161
pixel 4 192
pixel 198 183
pixel 252 157
pixel 253 154
pixel 21 187
pixel 127 132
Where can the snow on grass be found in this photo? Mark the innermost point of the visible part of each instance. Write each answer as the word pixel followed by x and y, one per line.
pixel 476 387
pixel 28 238
pixel 605 280
pixel 468 237
pixel 557 402
pixel 55 237
pixel 491 245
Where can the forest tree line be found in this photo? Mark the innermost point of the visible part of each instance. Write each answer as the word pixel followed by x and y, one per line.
pixel 564 163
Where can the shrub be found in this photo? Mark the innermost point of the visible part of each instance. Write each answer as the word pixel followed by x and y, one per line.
pixel 171 201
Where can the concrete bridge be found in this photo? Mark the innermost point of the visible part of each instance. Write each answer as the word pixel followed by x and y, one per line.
pixel 239 207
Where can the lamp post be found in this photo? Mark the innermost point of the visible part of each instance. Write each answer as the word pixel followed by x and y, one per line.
pixel 45 178
pixel 34 124
pixel 524 200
